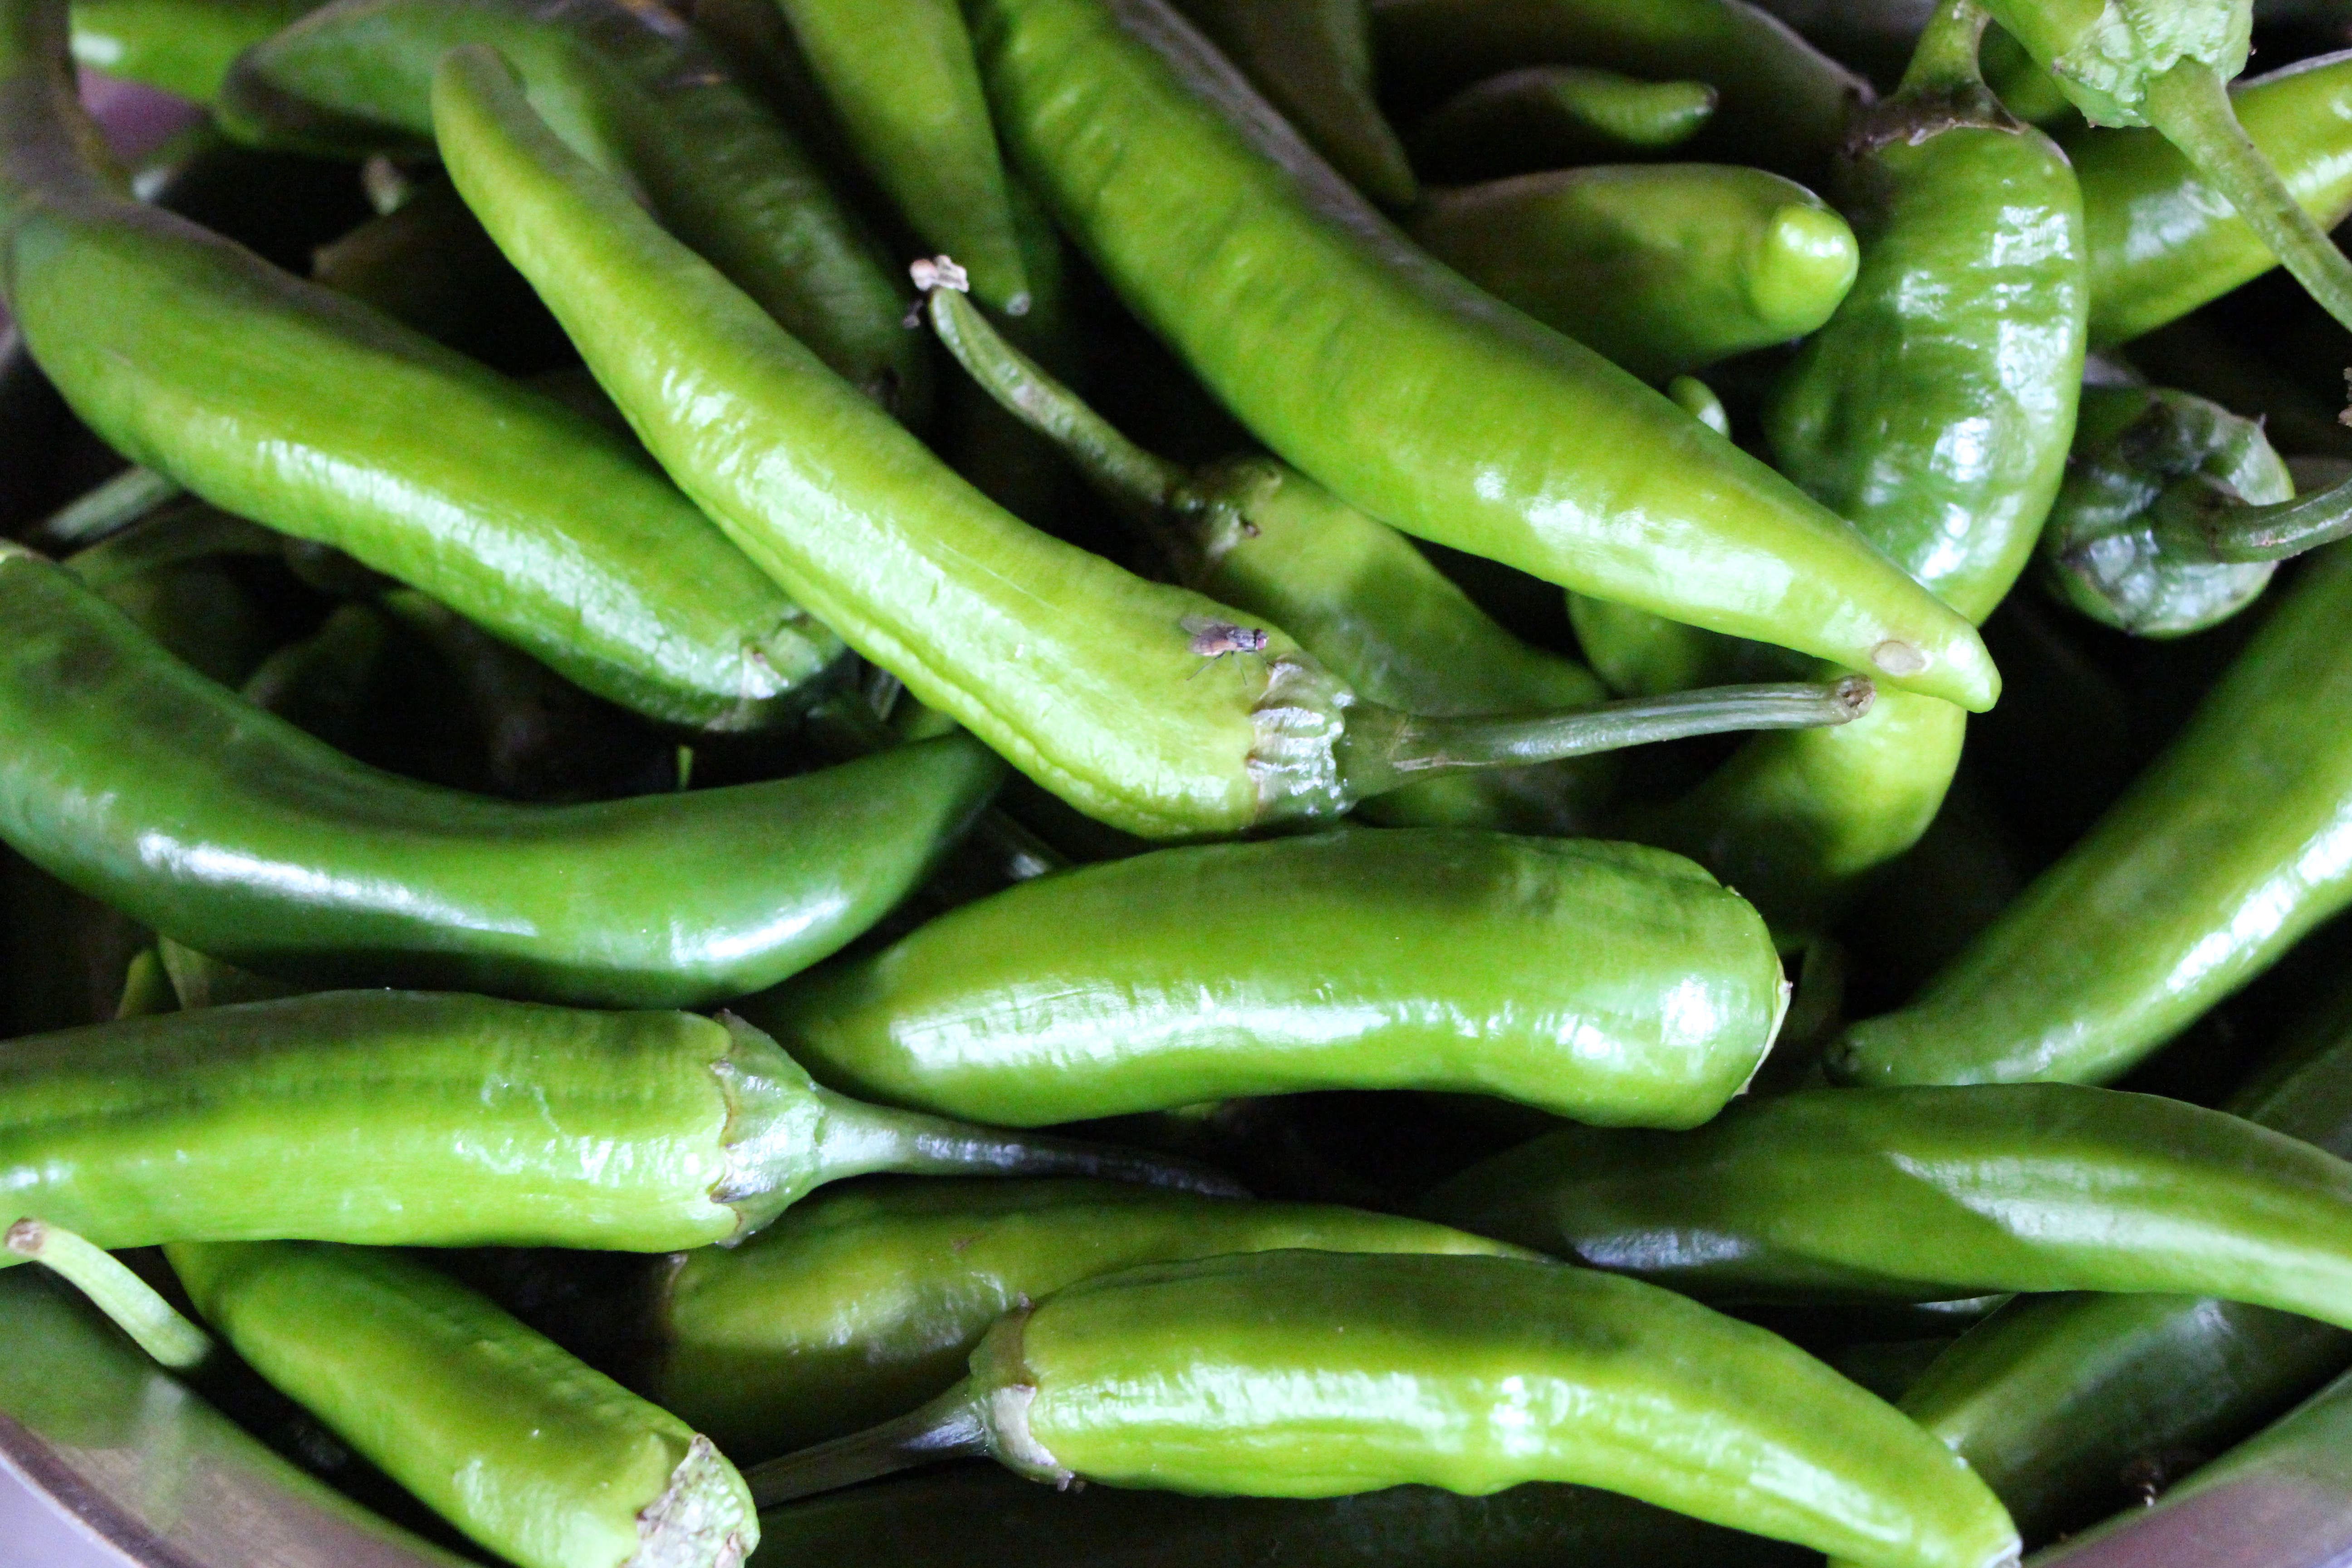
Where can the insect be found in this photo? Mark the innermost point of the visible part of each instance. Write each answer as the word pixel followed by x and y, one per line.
pixel 1213 639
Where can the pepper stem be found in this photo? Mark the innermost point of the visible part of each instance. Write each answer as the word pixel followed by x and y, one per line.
pixel 859 1138
pixel 2189 105
pixel 1947 55
pixel 114 1289
pixel 1407 748
pixel 952 1426
pixel 2199 518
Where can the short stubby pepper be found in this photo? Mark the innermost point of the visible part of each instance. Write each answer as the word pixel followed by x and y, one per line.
pixel 866 1300
pixel 530 1452
pixel 281 402
pixel 184 47
pixel 1930 1195
pixel 1312 1374
pixel 1609 982
pixel 1783 103
pixel 400 1118
pixel 1313 60
pixel 1153 708
pixel 638 93
pixel 129 775
pixel 1556 117
pixel 1662 268
pixel 1409 393
pixel 2221 855
pixel 2162 241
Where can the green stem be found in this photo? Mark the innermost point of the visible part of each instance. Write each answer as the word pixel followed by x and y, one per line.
pixel 1947 56
pixel 1387 751
pixel 2198 520
pixel 952 1426
pixel 860 1140
pixel 114 1289
pixel 2190 104
pixel 107 509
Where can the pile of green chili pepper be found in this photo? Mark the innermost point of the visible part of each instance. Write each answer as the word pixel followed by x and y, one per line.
pixel 1348 783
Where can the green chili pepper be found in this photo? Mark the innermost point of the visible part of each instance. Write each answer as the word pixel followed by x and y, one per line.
pixel 393 1118
pixel 1407 394
pixel 531 1452
pixel 1154 709
pixel 1553 117
pixel 1368 959
pixel 2162 242
pixel 2168 66
pixel 866 1301
pixel 2058 1400
pixel 1316 1375
pixel 1313 61
pixel 641 95
pixel 282 403
pixel 1932 1194
pixel 1784 104
pixel 181 45
pixel 1662 268
pixel 2162 485
pixel 135 778
pixel 1257 534
pixel 989 1518
pixel 2218 858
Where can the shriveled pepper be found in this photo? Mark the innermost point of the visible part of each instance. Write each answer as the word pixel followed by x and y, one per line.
pixel 1153 708
pixel 1931 1194
pixel 866 1300
pixel 2229 849
pixel 1553 117
pixel 641 95
pixel 280 402
pixel 1609 982
pixel 398 1118
pixel 1405 393
pixel 180 46
pixel 1318 1374
pixel 1313 60
pixel 1662 268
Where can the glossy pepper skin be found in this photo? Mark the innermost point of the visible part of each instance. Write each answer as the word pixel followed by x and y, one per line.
pixel 1410 396
pixel 281 402
pixel 2103 549
pixel 1314 1374
pixel 407 1119
pixel 184 47
pixel 2055 1400
pixel 533 1454
pixel 1554 117
pixel 640 95
pixel 2218 858
pixel 1313 61
pixel 2163 242
pixel 1931 1194
pixel 1609 982
pixel 130 776
pixel 1662 268
pixel 866 1300
pixel 1783 102
pixel 990 1519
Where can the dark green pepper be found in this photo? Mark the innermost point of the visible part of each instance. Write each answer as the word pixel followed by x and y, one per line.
pixel 1390 959
pixel 1554 117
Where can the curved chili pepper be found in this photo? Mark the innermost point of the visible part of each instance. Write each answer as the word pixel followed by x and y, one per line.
pixel 866 1301
pixel 2218 859
pixel 282 403
pixel 1256 533
pixel 1930 1195
pixel 2168 67
pixel 638 93
pixel 184 47
pixel 399 1118
pixel 2150 466
pixel 1313 61
pixel 1339 345
pixel 1555 117
pixel 1157 710
pixel 2162 241
pixel 1662 268
pixel 1783 102
pixel 1316 1375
